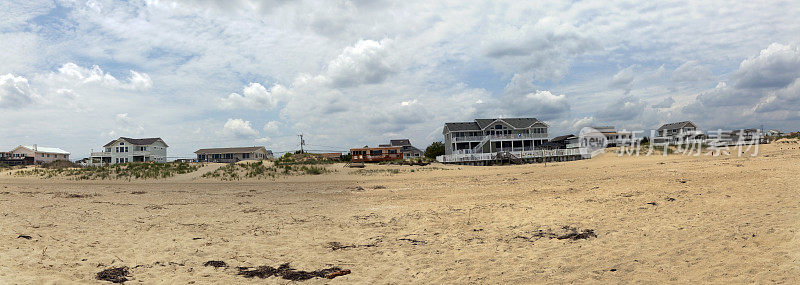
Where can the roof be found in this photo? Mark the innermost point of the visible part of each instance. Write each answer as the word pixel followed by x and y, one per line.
pixel 562 138
pixel 400 142
pixel 520 123
pixel 46 149
pixel 144 141
pixel 462 126
pixel 678 125
pixel 480 124
pixel 380 147
pixel 246 149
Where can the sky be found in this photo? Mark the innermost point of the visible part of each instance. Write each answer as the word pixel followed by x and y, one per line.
pixel 76 74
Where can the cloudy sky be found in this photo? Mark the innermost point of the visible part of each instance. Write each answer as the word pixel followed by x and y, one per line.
pixel 75 74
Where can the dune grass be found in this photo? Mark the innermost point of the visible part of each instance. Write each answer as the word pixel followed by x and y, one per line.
pixel 127 171
pixel 260 170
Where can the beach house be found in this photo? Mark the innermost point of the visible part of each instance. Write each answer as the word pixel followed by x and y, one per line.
pixel 494 135
pixel 123 150
pixel 233 154
pixel 677 132
pixel 565 142
pixel 40 154
pixel 614 137
pixel 376 154
pixel 408 150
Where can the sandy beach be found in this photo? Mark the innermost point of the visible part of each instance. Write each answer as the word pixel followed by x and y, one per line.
pixel 610 219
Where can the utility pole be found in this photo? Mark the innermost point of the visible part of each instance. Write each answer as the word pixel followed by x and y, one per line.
pixel 302 142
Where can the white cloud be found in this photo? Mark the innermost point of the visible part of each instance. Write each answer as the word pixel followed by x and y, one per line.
pixel 521 98
pixel 340 70
pixel 691 71
pixel 765 88
pixel 239 128
pixel 666 103
pixel 15 92
pixel 624 77
pixel 625 108
pixel 272 126
pixel 70 74
pixel 255 96
pixel 125 126
pixel 366 62
pixel 776 66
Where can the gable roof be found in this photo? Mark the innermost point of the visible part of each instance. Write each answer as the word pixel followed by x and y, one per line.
pixel 462 126
pixel 44 149
pixel 481 124
pixel 246 149
pixel 678 125
pixel 520 123
pixel 400 142
pixel 144 141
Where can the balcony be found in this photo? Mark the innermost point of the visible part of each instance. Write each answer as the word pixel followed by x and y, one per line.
pixel 141 153
pixel 101 154
pixel 502 137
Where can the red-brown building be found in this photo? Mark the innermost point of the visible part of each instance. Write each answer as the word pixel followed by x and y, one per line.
pixel 376 154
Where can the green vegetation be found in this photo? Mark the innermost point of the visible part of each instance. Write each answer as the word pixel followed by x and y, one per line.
pixel 133 170
pixel 302 158
pixel 434 150
pixel 410 161
pixel 259 170
pixel 60 164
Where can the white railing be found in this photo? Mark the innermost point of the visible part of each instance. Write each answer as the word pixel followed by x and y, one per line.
pixel 501 137
pixel 101 154
pixel 519 136
pixel 141 153
pixel 542 153
pixel 468 139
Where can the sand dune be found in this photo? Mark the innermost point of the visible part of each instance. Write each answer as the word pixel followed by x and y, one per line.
pixel 676 218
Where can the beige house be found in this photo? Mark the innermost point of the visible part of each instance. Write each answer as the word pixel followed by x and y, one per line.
pixel 40 154
pixel 233 154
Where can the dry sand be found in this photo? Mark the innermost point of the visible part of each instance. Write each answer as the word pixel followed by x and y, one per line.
pixel 677 219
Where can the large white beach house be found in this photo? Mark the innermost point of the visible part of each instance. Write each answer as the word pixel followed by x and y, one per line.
pixel 494 135
pixel 124 150
pixel 501 140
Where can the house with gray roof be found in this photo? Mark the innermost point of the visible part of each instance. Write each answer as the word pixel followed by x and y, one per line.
pixel 233 154
pixel 124 150
pixel 494 135
pixel 677 132
pixel 408 150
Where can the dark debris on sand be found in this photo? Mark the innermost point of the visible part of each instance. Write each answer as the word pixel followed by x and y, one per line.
pixel 568 233
pixel 215 263
pixel 285 271
pixel 114 274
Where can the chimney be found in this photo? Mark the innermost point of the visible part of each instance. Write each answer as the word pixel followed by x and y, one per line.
pixel 35 148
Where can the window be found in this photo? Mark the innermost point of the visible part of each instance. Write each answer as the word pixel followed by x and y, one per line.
pixel 121 143
pixel 245 155
pixel 43 155
pixel 498 127
pixel 376 152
